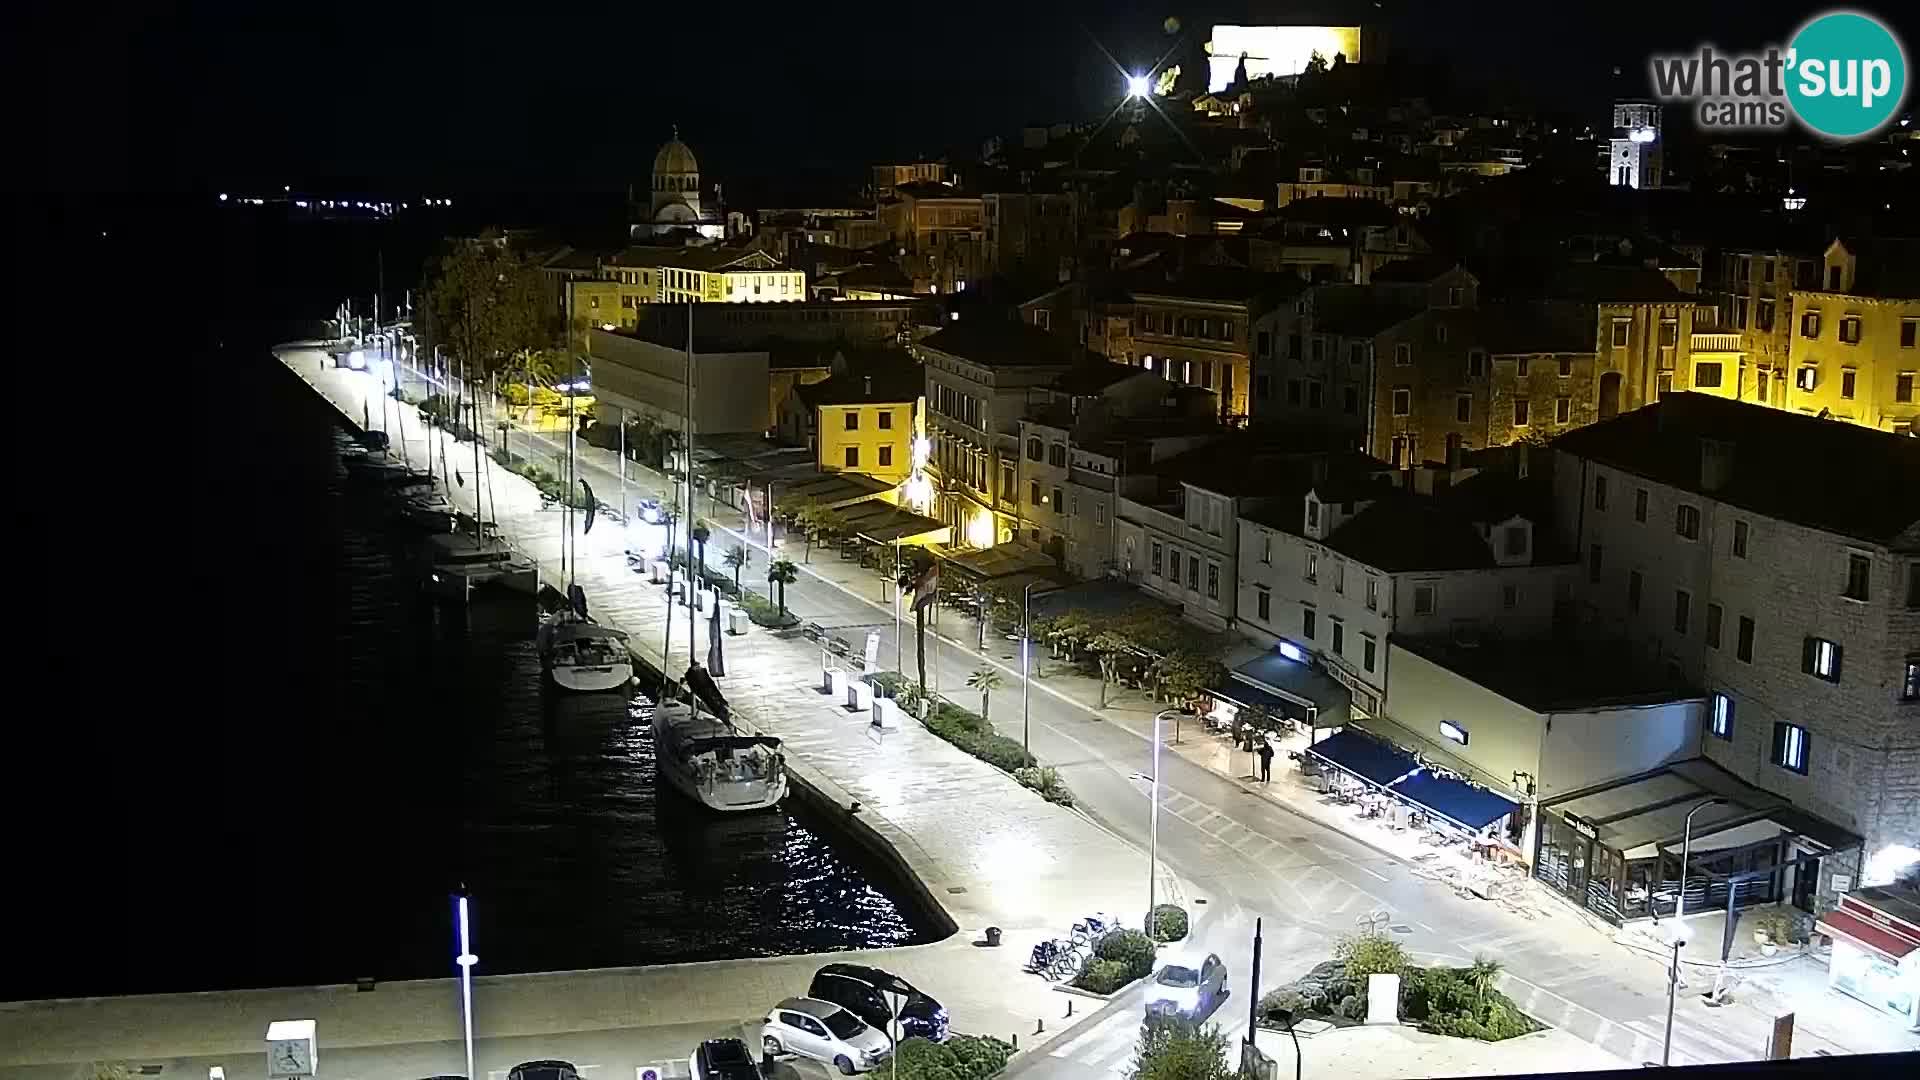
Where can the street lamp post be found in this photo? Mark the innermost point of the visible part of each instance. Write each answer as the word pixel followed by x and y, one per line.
pixel 1686 846
pixel 1153 824
pixel 466 959
pixel 1026 662
pixel 1673 988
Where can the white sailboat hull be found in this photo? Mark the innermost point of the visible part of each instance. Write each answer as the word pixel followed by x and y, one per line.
pixel 718 785
pixel 591 679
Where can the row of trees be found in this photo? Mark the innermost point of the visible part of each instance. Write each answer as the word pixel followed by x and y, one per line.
pixel 1149 644
pixel 816 521
pixel 488 304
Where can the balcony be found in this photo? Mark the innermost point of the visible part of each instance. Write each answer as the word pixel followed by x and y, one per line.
pixel 1715 342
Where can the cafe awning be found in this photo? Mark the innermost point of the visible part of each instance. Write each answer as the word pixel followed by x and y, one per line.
pixel 1472 808
pixel 1885 943
pixel 1302 683
pixel 1375 762
pixel 1250 695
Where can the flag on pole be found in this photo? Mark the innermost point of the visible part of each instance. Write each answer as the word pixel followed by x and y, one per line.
pixel 926 586
pixel 592 505
pixel 459 479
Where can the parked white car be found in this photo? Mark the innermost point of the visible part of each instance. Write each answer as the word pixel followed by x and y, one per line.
pixel 1188 985
pixel 824 1031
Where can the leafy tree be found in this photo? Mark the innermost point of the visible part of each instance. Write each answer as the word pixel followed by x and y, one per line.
pixel 985 680
pixel 1370 953
pixel 782 574
pixel 1175 1049
pixel 701 533
pixel 737 557
pixel 487 304
pixel 1109 646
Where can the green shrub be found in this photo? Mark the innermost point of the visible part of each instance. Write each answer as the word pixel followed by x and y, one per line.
pixel 1174 1049
pixel 1004 753
pixel 766 614
pixel 1351 1007
pixel 1130 947
pixel 1286 999
pixel 1045 780
pixel 1168 922
pixel 1102 976
pixel 962 1057
pixel 1370 954
pixel 1780 928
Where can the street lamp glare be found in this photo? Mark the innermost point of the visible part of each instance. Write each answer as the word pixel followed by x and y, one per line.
pixel 1137 86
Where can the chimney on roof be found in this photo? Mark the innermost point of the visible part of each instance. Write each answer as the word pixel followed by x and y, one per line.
pixel 1716 464
pixel 868 381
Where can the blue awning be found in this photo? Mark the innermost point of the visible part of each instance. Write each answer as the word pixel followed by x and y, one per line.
pixel 1465 805
pixel 1375 762
pixel 1246 694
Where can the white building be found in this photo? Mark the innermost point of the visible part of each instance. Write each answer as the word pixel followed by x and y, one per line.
pixel 1359 558
pixel 1773 560
pixel 1634 152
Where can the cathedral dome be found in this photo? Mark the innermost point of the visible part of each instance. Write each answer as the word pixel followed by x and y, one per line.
pixel 675 158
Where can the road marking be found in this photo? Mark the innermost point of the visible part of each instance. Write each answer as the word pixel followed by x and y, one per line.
pixel 1370 873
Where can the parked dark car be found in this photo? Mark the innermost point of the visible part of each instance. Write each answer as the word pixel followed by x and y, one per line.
pixel 863 990
pixel 544 1070
pixel 724 1059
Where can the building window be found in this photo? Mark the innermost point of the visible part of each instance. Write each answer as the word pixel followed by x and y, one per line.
pixel 1634 582
pixel 1682 610
pixel 1313 566
pixel 1720 721
pixel 1850 330
pixel 1910 683
pixel 1057 455
pixel 1599 492
pixel 1706 373
pixel 1263 600
pixel 1909 332
pixel 1810 324
pixel 1520 412
pixel 1352 400
pixel 1476 363
pixel 1266 548
pixel 1739 539
pixel 1669 333
pixel 1058 502
pixel 1820 658
pixel 853 420
pixel 1036 451
pixel 1562 410
pixel 1099 513
pixel 1686 521
pixel 1463 408
pixel 1522 365
pixel 1423 599
pixel 1008 485
pixel 1807 377
pixel 1640 505
pixel 1307 622
pixel 886 457
pixel 1339 638
pixel 1402 401
pixel 1368 646
pixel 1263 387
pixel 1402 355
pixel 1453 732
pixel 1033 492
pixel 1913 586
pixel 1173 566
pixel 1903 388
pixel 1193 573
pixel 853 457
pixel 1847 377
pixel 1790 747
pixel 1339 578
pixel 1859 569
pixel 1154 558
pixel 886 419
pixel 1265 340
pixel 1566 367
pixel 1743 643
pixel 1213 581
pixel 1594 554
pixel 1440 333
pixel 1514 538
pixel 1373 592
pixel 1509 596
pixel 1714 615
pixel 1622 332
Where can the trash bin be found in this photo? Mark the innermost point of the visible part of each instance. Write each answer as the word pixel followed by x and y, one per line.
pixel 993 935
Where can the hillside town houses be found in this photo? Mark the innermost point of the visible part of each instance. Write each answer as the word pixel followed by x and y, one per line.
pixel 1582 493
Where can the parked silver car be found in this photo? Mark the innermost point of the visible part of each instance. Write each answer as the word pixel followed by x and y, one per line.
pixel 824 1031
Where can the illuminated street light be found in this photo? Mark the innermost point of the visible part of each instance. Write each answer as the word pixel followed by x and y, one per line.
pixel 1138 86
pixel 466 959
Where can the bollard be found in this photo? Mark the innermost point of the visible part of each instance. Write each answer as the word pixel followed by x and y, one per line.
pixel 1069 1007
pixel 1016 1042
pixel 1039 1026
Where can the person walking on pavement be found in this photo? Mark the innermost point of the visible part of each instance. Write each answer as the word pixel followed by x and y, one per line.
pixel 1266 760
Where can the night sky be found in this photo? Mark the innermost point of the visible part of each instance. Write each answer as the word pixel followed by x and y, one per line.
pixel 486 96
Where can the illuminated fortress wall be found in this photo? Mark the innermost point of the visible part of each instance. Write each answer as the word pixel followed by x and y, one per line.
pixel 1275 50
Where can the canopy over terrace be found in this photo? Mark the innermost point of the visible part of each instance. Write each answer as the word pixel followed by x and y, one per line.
pixel 1395 772
pixel 1615 848
pixel 880 522
pixel 836 490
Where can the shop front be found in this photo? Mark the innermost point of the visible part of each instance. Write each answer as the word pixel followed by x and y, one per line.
pixel 1299 699
pixel 1876 950
pixel 1615 849
pixel 1388 782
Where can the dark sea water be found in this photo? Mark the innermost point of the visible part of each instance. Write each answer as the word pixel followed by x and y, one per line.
pixel 318 759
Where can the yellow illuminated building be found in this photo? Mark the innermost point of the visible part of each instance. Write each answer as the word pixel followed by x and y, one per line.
pixel 1276 50
pixel 1855 352
pixel 655 275
pixel 861 422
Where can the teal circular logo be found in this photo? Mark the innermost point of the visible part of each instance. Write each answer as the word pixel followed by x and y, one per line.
pixel 1847 74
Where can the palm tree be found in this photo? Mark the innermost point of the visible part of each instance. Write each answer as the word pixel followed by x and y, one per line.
pixel 909 576
pixel 737 556
pixel 1482 975
pixel 807 519
pixel 985 680
pixel 783 573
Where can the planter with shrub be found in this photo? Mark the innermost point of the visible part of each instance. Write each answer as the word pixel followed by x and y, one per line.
pixel 1102 976
pixel 1132 948
pixel 1459 1002
pixel 1168 922
pixel 962 1057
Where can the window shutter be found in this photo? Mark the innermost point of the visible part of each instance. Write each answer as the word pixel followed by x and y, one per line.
pixel 1836 661
pixel 1779 744
pixel 1806 655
